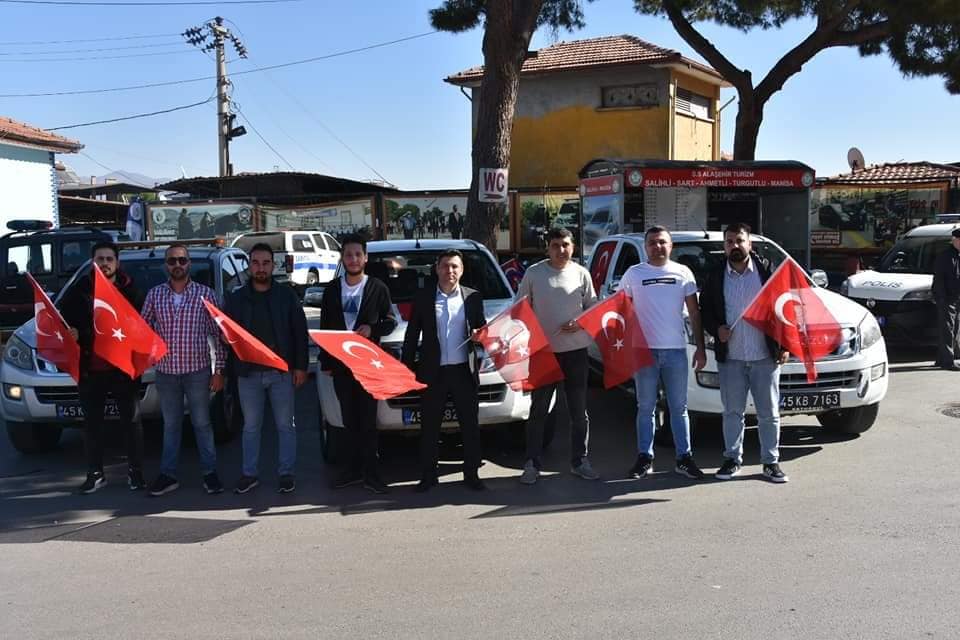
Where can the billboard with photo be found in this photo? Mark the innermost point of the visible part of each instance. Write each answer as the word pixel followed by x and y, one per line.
pixel 190 220
pixel 337 218
pixel 541 211
pixel 434 217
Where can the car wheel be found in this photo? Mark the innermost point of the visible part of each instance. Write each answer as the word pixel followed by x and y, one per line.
pixel 30 437
pixel 312 278
pixel 226 416
pixel 853 421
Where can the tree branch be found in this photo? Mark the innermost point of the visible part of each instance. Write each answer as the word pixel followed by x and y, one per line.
pixel 738 77
pixel 870 32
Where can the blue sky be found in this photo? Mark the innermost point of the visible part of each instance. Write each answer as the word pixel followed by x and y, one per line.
pixel 390 105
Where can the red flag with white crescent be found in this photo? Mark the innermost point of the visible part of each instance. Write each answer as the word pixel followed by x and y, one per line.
pixel 120 335
pixel 379 373
pixel 245 345
pixel 55 343
pixel 613 325
pixel 789 310
pixel 520 348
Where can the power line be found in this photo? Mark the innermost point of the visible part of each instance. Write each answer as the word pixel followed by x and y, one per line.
pixel 51 53
pixel 205 78
pixel 120 57
pixel 133 117
pixel 181 3
pixel 110 39
pixel 262 139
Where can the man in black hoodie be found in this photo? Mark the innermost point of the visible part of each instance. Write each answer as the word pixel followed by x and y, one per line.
pixel 98 378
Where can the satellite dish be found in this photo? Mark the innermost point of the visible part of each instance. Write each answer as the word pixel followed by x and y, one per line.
pixel 855 160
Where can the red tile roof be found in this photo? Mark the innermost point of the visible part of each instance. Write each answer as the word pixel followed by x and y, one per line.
pixel 591 53
pixel 897 173
pixel 20 133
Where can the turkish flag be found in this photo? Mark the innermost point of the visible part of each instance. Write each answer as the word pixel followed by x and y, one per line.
pixel 244 344
pixel 379 373
pixel 789 310
pixel 613 325
pixel 55 343
pixel 121 336
pixel 520 349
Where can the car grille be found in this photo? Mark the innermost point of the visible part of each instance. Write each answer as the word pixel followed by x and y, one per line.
pixel 66 395
pixel 486 393
pixel 825 380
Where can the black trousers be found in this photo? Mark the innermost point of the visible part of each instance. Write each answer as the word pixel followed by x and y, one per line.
pixel 456 382
pixel 359 411
pixel 575 370
pixel 94 388
pixel 947 313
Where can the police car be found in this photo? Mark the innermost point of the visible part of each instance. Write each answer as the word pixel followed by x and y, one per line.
pixel 304 258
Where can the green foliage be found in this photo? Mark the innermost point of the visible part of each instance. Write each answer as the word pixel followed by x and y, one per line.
pixel 463 15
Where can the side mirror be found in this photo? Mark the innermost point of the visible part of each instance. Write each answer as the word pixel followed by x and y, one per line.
pixel 819 277
pixel 313 297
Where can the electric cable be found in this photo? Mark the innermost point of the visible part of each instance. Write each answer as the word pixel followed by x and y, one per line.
pixel 109 39
pixel 259 135
pixel 132 117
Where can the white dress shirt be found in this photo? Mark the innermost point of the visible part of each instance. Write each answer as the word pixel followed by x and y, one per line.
pixel 451 326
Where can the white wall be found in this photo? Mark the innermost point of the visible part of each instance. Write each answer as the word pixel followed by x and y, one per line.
pixel 27 185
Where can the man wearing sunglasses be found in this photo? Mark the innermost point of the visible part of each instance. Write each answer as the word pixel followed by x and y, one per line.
pixel 175 311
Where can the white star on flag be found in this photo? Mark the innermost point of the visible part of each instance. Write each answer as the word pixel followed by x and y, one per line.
pixel 59 336
pixel 523 351
pixel 618 344
pixel 377 364
pixel 118 334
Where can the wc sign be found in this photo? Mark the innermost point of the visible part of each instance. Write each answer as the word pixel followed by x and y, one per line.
pixel 493 185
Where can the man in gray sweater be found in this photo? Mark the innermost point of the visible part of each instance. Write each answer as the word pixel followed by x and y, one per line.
pixel 559 290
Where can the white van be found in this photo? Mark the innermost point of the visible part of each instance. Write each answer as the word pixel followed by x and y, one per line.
pixel 899 292
pixel 305 258
pixel 851 381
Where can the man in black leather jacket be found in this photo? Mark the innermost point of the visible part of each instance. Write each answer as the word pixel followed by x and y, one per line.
pixel 946 293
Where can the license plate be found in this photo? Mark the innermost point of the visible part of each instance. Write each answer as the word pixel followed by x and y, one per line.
pixel 413 416
pixel 815 401
pixel 74 410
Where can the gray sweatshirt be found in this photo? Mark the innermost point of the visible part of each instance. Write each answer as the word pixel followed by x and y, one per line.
pixel 558 296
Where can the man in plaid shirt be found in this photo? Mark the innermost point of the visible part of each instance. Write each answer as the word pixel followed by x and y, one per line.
pixel 175 311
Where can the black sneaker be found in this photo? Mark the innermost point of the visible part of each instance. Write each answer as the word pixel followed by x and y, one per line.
pixel 163 484
pixel 426 483
pixel 135 479
pixel 687 467
pixel 729 469
pixel 773 473
pixel 642 467
pixel 472 481
pixel 375 484
pixel 212 484
pixel 287 484
pixel 94 481
pixel 347 478
pixel 245 484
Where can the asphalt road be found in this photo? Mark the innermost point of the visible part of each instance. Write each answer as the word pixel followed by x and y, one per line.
pixel 862 543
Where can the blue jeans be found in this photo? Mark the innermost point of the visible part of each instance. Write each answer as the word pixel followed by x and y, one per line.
pixel 762 379
pixel 196 387
pixel 253 390
pixel 669 366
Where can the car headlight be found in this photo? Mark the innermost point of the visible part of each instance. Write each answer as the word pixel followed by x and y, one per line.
pixel 923 294
pixel 869 332
pixel 707 338
pixel 18 354
pixel 845 288
pixel 709 379
pixel 487 364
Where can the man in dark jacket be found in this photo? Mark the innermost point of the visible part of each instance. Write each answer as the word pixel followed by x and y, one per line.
pixel 441 322
pixel 271 313
pixel 946 293
pixel 748 360
pixel 359 303
pixel 98 378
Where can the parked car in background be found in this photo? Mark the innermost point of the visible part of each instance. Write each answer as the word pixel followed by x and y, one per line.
pixel 38 401
pixel 304 258
pixel 851 381
pixel 407 266
pixel 899 292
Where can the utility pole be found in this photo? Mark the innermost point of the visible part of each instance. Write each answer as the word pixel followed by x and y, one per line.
pixel 226 130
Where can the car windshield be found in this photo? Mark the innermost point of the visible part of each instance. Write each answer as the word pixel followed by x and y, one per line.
pixel 914 255
pixel 247 240
pixel 705 256
pixel 149 273
pixel 405 272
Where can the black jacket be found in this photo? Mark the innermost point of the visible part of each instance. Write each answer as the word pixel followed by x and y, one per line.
pixel 376 310
pixel 421 347
pixel 713 312
pixel 289 325
pixel 946 277
pixel 76 307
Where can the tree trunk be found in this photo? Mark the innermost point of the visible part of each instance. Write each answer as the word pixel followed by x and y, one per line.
pixel 509 26
pixel 749 119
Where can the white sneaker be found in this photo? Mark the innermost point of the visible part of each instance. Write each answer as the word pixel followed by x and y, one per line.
pixel 585 470
pixel 530 473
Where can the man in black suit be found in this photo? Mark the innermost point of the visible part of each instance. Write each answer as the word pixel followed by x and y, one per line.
pixel 442 321
pixel 359 303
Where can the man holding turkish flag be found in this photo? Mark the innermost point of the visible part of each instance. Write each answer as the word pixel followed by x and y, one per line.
pixel 379 373
pixel 789 310
pixel 55 342
pixel 613 325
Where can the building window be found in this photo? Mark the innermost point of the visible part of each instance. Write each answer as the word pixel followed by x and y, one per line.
pixel 638 95
pixel 694 104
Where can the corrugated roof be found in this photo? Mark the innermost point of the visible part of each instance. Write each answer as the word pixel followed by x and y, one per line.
pixel 23 134
pixel 591 53
pixel 897 173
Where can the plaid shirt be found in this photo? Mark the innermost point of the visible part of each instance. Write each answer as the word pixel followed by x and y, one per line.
pixel 185 330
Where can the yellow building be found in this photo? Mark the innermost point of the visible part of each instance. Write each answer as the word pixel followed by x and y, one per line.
pixel 613 97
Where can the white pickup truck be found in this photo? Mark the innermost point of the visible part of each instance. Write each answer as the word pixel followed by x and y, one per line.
pixel 851 381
